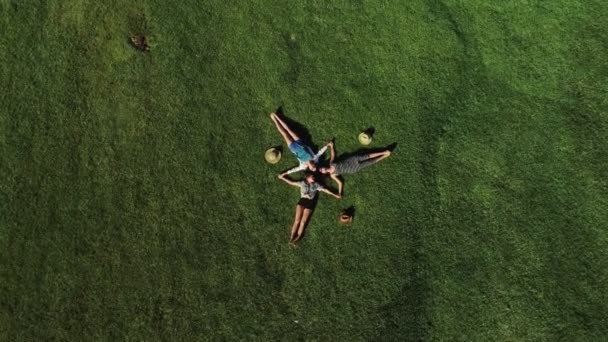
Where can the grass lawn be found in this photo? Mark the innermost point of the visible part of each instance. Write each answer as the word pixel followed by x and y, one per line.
pixel 135 203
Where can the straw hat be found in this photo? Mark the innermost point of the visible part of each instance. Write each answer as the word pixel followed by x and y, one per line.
pixel 365 138
pixel 345 218
pixel 272 155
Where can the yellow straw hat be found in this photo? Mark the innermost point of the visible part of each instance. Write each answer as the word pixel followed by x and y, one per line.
pixel 272 155
pixel 365 138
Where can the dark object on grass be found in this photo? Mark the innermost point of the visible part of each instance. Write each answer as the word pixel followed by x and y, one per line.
pixel 140 42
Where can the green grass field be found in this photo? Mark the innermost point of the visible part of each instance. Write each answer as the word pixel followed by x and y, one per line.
pixel 135 203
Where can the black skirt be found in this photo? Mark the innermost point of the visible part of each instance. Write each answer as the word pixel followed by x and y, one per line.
pixel 306 203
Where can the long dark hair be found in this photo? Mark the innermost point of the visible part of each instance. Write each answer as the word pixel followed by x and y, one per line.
pixel 310 174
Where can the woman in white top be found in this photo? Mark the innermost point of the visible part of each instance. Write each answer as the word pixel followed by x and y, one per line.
pixel 308 190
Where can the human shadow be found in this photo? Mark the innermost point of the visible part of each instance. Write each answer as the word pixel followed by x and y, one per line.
pixel 298 128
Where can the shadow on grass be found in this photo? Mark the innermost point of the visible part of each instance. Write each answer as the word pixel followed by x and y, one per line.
pixel 350 211
pixel 298 128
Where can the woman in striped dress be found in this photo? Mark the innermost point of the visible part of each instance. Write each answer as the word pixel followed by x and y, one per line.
pixel 351 164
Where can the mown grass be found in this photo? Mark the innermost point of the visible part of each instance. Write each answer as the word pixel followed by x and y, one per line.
pixel 135 203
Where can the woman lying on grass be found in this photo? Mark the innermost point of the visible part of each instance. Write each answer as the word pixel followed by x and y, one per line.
pixel 308 190
pixel 303 152
pixel 351 164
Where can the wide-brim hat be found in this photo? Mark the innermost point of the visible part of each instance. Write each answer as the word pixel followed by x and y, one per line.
pixel 345 218
pixel 272 155
pixel 364 138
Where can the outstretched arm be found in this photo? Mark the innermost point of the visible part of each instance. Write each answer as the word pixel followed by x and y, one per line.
pixel 322 150
pixel 332 152
pixel 340 183
pixel 331 193
pixel 287 180
pixel 295 169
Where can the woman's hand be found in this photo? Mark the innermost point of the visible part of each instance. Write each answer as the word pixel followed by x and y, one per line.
pixel 332 152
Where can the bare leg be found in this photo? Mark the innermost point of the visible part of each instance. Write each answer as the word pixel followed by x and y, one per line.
pixel 379 155
pixel 296 222
pixel 294 136
pixel 371 159
pixel 284 133
pixel 303 222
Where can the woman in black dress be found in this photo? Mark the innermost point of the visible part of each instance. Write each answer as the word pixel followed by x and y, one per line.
pixel 308 191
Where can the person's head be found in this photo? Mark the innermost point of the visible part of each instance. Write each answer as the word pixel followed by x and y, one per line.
pixel 330 169
pixel 309 177
pixel 311 165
